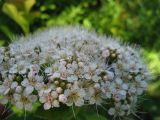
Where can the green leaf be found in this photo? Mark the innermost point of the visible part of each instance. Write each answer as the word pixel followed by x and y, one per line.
pixel 14 14
pixel 89 113
pixel 94 116
pixel 6 31
pixel 67 113
pixel 28 4
pixel 62 113
pixel 1 42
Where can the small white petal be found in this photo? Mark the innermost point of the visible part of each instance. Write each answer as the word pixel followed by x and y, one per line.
pixel 6 91
pixel 19 89
pixel 119 81
pixel 125 86
pixel 32 98
pixel 28 90
pixel 55 75
pixel 17 97
pixel 96 78
pixel 48 70
pixel 93 66
pixel 13 70
pixel 79 102
pixel 24 82
pixel 23 71
pixel 2 89
pixel 14 85
pixel 42 99
pixel 87 76
pixel 110 75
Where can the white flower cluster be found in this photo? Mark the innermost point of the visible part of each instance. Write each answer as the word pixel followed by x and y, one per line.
pixel 71 66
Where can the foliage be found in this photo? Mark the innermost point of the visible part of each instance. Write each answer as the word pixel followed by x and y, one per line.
pixel 135 21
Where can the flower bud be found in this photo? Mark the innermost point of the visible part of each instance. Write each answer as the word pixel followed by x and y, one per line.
pixel 97 85
pixel 55 103
pixel 54 94
pixel 56 82
pixel 80 64
pixel 62 98
pixel 69 85
pixel 59 90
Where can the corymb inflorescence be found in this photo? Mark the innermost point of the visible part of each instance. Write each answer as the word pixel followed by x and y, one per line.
pixel 71 66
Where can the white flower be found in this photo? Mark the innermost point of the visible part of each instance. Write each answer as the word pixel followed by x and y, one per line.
pixel 34 68
pixel 75 96
pixel 72 78
pixel 95 96
pixel 55 75
pixel 7 86
pixel 49 100
pixel 45 89
pixel 34 82
pixel 23 101
pixel 72 69
pixel 20 67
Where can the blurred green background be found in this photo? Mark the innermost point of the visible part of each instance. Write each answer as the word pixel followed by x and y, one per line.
pixel 134 21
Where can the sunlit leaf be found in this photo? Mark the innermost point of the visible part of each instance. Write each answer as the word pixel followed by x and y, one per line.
pixel 13 13
pixel 28 4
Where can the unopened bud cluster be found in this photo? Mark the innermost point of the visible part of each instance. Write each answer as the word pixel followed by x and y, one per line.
pixel 71 66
